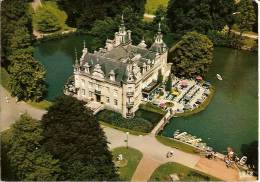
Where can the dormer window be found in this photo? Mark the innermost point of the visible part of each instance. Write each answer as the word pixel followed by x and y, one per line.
pixel 112 75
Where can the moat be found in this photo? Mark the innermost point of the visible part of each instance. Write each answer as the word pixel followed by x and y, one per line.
pixel 229 120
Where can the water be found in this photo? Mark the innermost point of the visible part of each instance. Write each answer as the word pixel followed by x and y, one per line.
pixel 229 120
pixel 58 56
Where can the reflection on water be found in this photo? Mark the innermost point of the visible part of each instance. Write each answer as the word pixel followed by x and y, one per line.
pixel 229 120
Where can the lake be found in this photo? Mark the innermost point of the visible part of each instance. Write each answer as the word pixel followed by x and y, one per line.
pixel 231 119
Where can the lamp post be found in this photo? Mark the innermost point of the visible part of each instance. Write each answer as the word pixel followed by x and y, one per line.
pixel 127 133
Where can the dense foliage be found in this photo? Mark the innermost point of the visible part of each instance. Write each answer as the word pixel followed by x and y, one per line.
pixel 192 55
pixel 14 15
pixel 200 15
pixel 245 15
pixel 27 159
pixel 27 75
pixel 251 151
pixel 73 135
pixel 160 76
pixel 46 21
pixel 27 79
pixel 143 121
pixel 83 13
pixel 168 85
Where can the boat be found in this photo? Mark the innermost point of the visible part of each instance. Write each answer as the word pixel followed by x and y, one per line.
pixel 219 77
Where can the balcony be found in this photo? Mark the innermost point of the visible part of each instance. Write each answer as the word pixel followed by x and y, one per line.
pixel 129 115
pixel 129 94
pixel 98 92
pixel 130 104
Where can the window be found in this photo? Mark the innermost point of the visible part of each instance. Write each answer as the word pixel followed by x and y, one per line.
pixel 83 82
pixel 108 100
pixel 83 92
pixel 115 92
pixel 115 102
pixel 90 84
pixel 90 94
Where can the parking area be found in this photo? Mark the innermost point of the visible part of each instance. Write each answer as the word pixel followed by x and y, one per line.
pixel 186 94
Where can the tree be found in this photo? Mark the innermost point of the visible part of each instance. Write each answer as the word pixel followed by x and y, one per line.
pixel 200 15
pixel 168 86
pixel 246 16
pixel 26 155
pixel 103 29
pixel 46 20
pixel 83 13
pixel 161 17
pixel 192 55
pixel 73 135
pixel 27 79
pixel 20 39
pixel 160 76
pixel 251 151
pixel 14 15
pixel 222 13
pixel 189 16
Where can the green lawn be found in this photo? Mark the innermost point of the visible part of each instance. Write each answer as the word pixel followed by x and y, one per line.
pixel 152 5
pixel 163 172
pixel 175 144
pixel 5 79
pixel 132 157
pixel 40 105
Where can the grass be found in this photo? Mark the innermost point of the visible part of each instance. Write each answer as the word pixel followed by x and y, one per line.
pixel 122 129
pixel 175 144
pixel 163 172
pixel 152 5
pixel 40 105
pixel 201 107
pixel 133 158
pixel 5 79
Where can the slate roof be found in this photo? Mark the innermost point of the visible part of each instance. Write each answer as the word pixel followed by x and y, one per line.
pixel 117 59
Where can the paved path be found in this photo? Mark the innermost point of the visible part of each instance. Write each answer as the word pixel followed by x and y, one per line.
pixel 148 145
pixel 12 110
pixel 145 168
pixel 149 16
pixel 245 34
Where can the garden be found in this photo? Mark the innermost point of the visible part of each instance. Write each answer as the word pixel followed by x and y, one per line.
pixel 172 171
pixel 143 122
pixel 128 163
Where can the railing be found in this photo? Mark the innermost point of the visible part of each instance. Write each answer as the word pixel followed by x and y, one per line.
pixel 129 93
pixel 98 92
pixel 129 115
pixel 130 104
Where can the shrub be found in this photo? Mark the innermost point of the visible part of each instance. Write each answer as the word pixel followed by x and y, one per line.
pixel 137 123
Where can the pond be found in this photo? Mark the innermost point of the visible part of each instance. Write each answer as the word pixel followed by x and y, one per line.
pixel 231 119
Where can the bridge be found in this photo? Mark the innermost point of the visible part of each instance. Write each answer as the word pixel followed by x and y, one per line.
pixel 166 119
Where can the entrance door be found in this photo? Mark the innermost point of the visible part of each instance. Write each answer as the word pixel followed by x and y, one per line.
pixel 98 98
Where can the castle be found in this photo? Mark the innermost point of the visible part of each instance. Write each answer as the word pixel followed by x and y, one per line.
pixel 120 75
